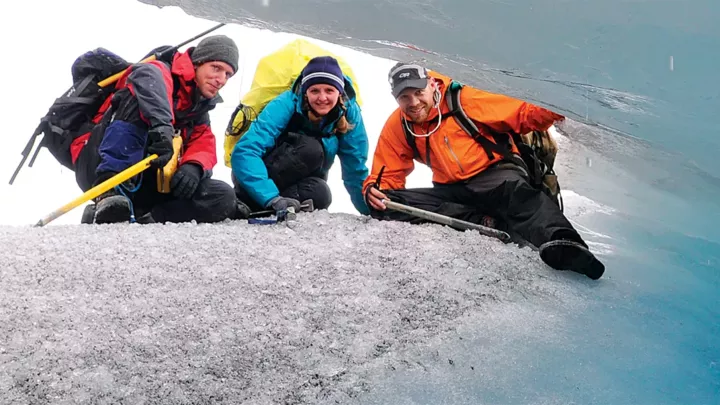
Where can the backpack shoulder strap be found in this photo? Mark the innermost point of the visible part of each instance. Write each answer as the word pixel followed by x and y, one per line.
pixel 458 113
pixel 410 138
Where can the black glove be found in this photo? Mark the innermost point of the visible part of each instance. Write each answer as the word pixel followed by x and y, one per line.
pixel 160 143
pixel 185 181
pixel 283 203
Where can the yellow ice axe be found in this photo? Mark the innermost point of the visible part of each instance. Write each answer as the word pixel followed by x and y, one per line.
pixel 165 174
pixel 106 185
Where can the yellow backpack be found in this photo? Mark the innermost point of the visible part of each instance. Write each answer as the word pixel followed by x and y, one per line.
pixel 275 74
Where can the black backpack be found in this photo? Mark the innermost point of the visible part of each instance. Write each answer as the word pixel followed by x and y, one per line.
pixel 537 149
pixel 72 113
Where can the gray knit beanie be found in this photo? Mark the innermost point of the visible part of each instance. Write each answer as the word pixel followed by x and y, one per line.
pixel 217 47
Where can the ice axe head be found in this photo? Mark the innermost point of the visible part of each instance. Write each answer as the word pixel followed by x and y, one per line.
pixel 307 206
pixel 291 215
pixel 286 215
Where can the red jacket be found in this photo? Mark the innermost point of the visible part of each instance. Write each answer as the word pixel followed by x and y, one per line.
pixel 167 97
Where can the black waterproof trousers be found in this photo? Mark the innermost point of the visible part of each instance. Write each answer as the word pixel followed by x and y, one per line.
pixel 501 192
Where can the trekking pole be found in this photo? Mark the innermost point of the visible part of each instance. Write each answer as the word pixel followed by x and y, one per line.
pixel 104 83
pixel 27 150
pixel 449 221
pixel 99 189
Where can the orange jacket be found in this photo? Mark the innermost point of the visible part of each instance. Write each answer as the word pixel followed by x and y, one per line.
pixel 454 155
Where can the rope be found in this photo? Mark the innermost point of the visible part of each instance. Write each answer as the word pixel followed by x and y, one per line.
pixel 122 189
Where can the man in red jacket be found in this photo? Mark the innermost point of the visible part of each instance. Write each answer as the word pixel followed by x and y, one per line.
pixel 154 102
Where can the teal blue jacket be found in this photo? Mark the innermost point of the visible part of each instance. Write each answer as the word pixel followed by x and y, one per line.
pixel 260 139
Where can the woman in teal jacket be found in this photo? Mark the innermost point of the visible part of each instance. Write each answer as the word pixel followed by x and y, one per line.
pixel 285 156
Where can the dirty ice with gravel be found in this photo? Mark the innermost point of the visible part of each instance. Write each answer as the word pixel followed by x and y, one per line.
pixel 335 308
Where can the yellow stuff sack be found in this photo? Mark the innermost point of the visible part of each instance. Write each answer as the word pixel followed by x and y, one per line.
pixel 275 74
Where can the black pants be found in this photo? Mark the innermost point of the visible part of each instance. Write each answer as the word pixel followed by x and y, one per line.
pixel 295 166
pixel 213 200
pixel 500 192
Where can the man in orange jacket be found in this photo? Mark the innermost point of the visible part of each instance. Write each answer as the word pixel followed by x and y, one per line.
pixel 466 172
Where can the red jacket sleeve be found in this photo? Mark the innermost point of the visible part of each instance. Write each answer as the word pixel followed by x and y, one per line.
pixel 200 145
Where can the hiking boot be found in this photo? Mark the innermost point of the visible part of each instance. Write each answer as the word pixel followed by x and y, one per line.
pixel 571 255
pixel 111 208
pixel 88 215
pixel 145 219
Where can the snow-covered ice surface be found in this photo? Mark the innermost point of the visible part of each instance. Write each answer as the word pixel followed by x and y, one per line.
pixel 323 312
